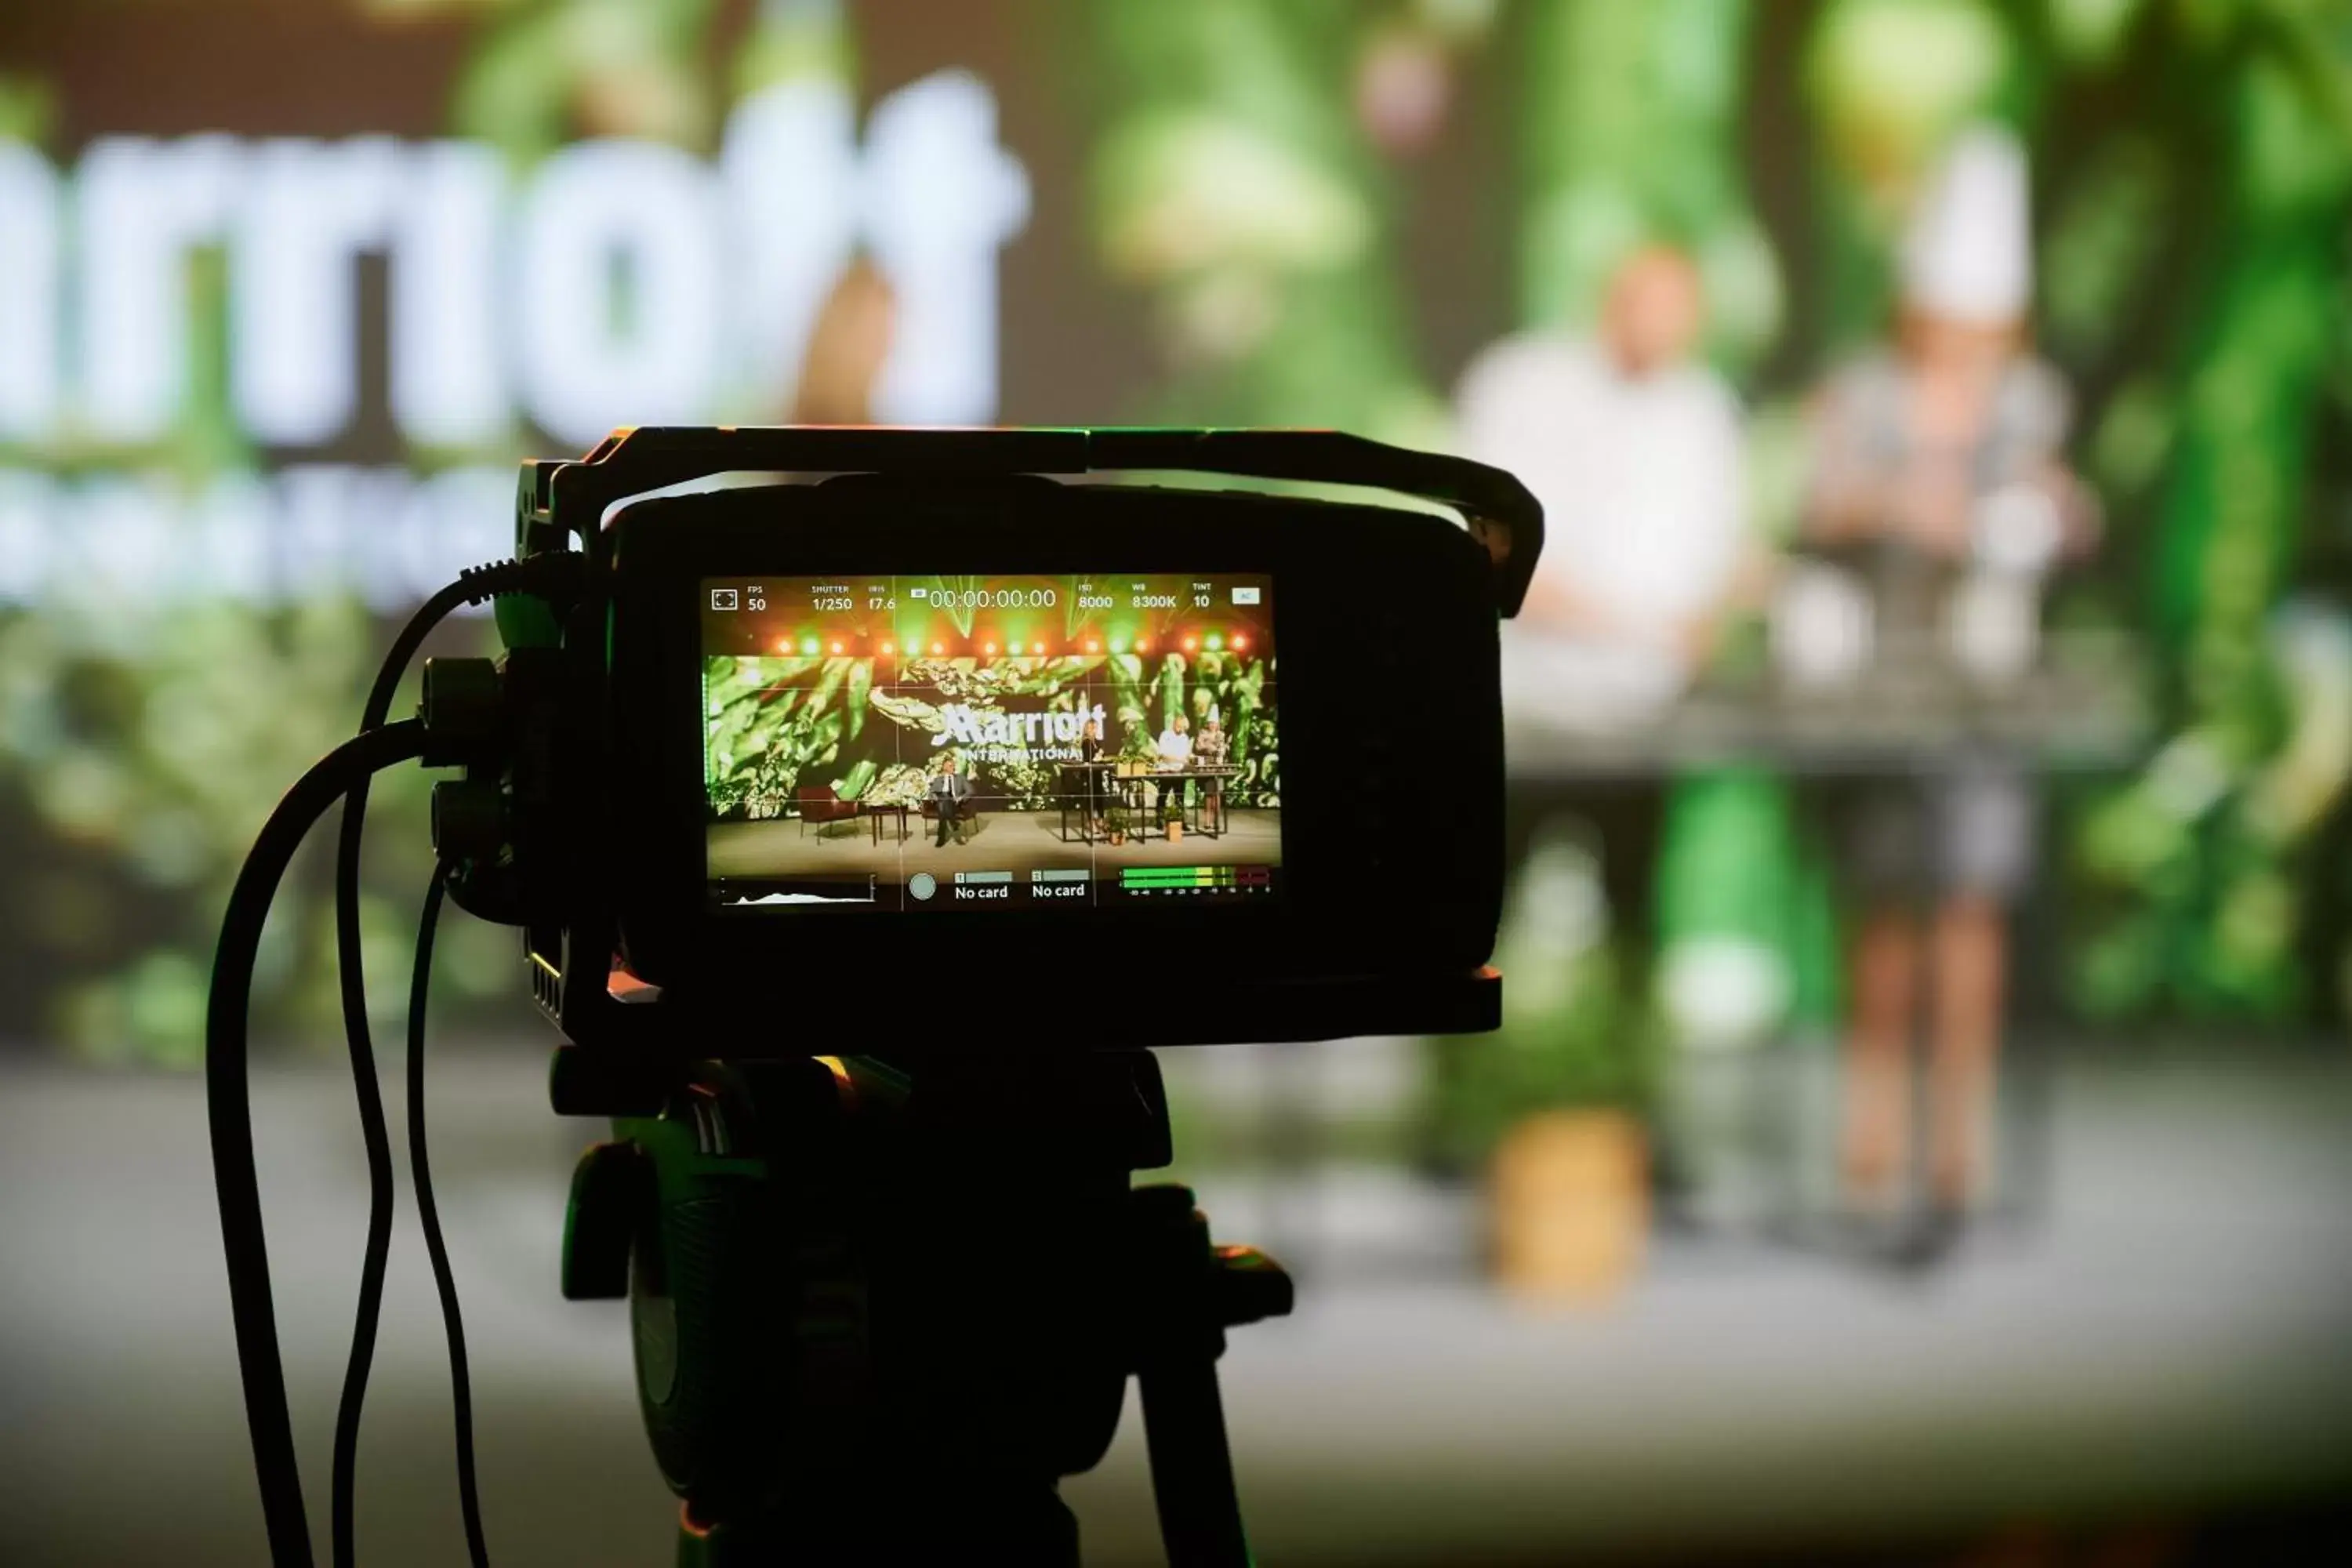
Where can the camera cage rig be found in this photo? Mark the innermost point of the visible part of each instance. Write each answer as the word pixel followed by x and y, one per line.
pixel 559 664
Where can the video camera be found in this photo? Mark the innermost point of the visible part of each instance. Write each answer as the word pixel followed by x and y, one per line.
pixel 725 750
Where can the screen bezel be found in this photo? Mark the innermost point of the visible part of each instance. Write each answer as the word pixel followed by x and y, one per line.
pixel 1317 555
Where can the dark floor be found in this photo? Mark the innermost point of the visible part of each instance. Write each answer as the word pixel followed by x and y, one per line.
pixel 2165 1353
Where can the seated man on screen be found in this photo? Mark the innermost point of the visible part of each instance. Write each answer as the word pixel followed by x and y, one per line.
pixel 951 796
pixel 1174 755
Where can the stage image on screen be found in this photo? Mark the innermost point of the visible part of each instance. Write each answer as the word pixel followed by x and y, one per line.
pixel 990 742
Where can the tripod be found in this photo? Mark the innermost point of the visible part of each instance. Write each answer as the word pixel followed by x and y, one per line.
pixel 846 1352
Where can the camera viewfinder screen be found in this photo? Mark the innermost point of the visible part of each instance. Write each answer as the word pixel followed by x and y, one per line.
pixel 990 742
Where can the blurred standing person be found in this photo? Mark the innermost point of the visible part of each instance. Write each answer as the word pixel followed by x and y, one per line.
pixel 1635 447
pixel 1942 449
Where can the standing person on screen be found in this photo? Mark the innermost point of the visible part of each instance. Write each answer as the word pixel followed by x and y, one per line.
pixel 1174 754
pixel 1936 454
pixel 1210 749
pixel 950 794
pixel 1090 752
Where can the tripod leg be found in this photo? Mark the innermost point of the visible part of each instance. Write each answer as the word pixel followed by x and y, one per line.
pixel 1191 1293
pixel 1192 1465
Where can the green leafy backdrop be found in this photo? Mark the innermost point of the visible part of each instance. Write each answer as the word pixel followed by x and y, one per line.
pixel 1314 210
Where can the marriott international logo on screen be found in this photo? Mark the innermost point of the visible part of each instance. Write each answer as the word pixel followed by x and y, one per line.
pixel 1052 735
pixel 613 282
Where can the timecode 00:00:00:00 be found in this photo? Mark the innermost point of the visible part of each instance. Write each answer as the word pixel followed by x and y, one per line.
pixel 999 599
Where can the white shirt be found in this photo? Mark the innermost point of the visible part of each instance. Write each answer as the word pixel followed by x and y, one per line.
pixel 1640 477
pixel 1642 490
pixel 1175 750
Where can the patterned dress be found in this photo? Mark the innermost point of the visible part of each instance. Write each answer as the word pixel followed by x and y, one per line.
pixel 1210 749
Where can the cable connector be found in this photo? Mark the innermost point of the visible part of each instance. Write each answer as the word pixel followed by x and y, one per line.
pixel 464 710
pixel 465 700
pixel 554 574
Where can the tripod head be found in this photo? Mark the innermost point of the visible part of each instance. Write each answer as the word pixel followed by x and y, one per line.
pixel 880 1309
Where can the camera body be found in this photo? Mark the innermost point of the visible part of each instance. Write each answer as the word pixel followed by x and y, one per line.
pixel 938 749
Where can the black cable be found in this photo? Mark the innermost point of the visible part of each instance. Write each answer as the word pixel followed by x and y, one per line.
pixel 378 1143
pixel 428 1214
pixel 472 587
pixel 229 1107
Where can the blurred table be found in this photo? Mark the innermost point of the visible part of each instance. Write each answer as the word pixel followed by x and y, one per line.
pixel 2084 710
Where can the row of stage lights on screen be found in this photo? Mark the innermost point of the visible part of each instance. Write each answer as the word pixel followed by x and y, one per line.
pixel 1215 642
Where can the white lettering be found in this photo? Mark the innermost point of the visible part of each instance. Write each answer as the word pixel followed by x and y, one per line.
pixel 1012 737
pixel 25 503
pixel 230 545
pixel 309 209
pixel 323 517
pixel 132 542
pixel 962 725
pixel 790 163
pixel 943 197
pixel 446 332
pixel 642 286
pixel 457 519
pixel 619 290
pixel 29 241
pixel 120 553
pixel 144 205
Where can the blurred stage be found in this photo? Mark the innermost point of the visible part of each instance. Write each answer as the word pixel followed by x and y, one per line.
pixel 2167 1344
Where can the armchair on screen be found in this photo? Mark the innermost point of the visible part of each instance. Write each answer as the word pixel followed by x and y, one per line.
pixel 820 805
pixel 968 817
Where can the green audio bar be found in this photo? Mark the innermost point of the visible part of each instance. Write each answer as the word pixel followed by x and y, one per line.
pixel 1176 875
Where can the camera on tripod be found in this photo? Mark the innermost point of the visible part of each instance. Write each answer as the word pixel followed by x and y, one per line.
pixel 862 831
